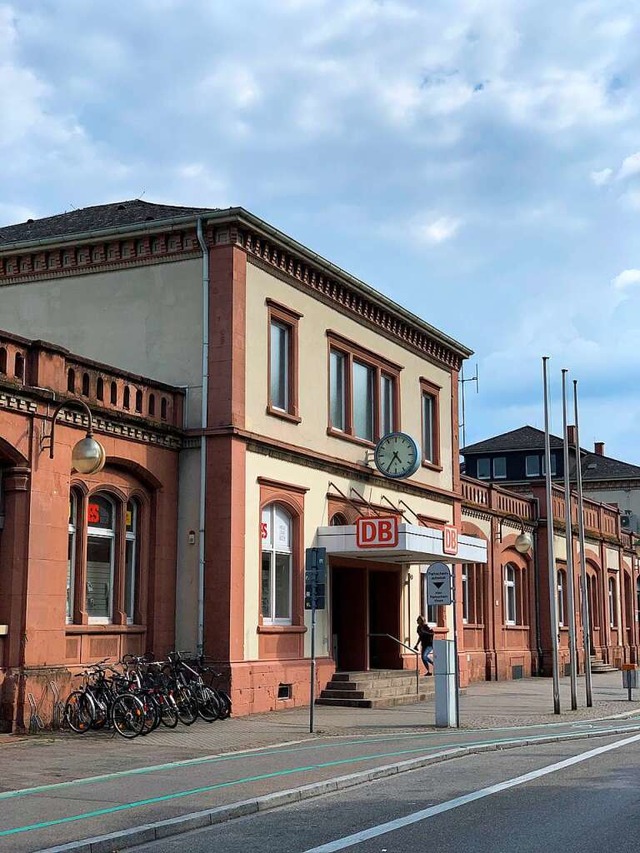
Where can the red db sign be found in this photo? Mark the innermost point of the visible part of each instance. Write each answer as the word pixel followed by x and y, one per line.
pixel 381 532
pixel 449 540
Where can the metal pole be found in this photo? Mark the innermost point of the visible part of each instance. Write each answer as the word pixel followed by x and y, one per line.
pixel 313 660
pixel 455 646
pixel 553 599
pixel 573 652
pixel 464 420
pixel 586 618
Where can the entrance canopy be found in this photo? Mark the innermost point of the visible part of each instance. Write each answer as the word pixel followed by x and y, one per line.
pixel 415 544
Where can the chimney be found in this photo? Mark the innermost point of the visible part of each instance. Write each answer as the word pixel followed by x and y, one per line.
pixel 598 448
pixel 571 435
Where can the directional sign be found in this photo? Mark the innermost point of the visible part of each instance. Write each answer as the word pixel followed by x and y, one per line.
pixel 315 577
pixel 438 584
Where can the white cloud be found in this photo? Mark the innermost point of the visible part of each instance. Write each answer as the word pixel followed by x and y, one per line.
pixel 436 230
pixel 625 279
pixel 630 166
pixel 602 177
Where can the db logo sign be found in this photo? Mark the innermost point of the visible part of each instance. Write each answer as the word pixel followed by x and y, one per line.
pixel 377 532
pixel 449 540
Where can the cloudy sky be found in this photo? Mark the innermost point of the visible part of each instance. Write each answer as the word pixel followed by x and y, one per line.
pixel 476 160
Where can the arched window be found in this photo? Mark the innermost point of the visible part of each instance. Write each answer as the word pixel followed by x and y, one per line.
pixel 114 394
pixel 100 388
pixel 152 404
pixel 613 609
pixel 71 380
pixel 510 594
pixel 19 366
pixel 85 384
pixel 138 401
pixel 562 598
pixel 101 536
pixel 465 592
pixel 126 397
pixel 3 360
pixel 132 560
pixel 277 569
pixel 338 519
pixel 163 409
pixel 71 555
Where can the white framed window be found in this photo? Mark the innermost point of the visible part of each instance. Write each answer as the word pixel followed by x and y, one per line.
pixel 101 536
pixel 465 592
pixel 500 468
pixel 613 610
pixel 561 597
pixel 131 560
pixel 387 389
pixel 363 379
pixel 554 469
pixel 510 594
pixel 532 466
pixel 483 471
pixel 279 367
pixel 71 553
pixel 276 569
pixel 338 390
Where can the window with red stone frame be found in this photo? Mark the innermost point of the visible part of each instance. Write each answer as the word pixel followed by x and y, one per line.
pixel 282 362
pixel 363 392
pixel 286 500
pixel 430 408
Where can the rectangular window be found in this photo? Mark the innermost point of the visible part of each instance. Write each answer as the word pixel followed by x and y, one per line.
pixel 363 413
pixel 465 593
pixel 279 368
pixel 387 387
pixel 553 466
pixel 483 471
pixel 510 595
pixel 363 391
pixel 532 466
pixel 338 390
pixel 283 361
pixel 99 577
pixel 500 468
pixel 430 422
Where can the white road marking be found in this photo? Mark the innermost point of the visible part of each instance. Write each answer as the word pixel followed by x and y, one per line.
pixel 416 817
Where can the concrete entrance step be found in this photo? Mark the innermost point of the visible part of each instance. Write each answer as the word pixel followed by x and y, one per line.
pixel 375 689
pixel 598 665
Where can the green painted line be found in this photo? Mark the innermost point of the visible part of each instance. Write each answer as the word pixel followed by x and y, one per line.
pixel 262 752
pixel 261 777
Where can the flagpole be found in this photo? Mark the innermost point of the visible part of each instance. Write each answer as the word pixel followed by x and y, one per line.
pixel 571 613
pixel 586 619
pixel 553 598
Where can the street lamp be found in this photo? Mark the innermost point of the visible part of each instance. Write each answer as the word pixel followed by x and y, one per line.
pixel 88 455
pixel 524 542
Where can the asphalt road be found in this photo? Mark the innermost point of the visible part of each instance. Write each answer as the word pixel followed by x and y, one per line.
pixel 589 806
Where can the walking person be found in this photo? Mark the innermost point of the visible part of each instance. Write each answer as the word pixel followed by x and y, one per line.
pixel 425 641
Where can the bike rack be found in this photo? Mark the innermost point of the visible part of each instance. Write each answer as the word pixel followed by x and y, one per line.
pixel 57 717
pixel 35 720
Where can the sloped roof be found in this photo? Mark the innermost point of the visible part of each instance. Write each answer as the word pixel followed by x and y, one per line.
pixel 594 466
pixel 523 438
pixel 97 218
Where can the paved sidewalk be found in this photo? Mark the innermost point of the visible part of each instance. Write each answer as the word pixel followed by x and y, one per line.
pixel 54 757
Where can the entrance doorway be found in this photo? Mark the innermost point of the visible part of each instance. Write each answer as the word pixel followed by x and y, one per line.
pixel 365 601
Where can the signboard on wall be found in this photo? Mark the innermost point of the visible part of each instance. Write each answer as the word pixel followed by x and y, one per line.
pixel 378 532
pixel 438 584
pixel 449 539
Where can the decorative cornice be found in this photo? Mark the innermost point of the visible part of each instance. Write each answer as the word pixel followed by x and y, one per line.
pixel 95 256
pixel 345 298
pixel 122 430
pixel 17 404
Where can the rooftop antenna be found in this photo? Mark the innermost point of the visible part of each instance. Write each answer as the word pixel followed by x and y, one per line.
pixel 463 423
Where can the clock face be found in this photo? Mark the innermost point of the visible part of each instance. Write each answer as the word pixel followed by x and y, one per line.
pixel 397 456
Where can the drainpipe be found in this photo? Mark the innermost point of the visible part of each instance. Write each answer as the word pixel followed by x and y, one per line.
pixel 203 424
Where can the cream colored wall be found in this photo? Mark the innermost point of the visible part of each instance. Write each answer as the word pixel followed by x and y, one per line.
pixel 313 376
pixel 147 320
pixel 315 515
pixel 612 558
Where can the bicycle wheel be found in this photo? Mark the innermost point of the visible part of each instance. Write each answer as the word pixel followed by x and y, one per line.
pixel 168 711
pixel 152 714
pixel 127 714
pixel 208 705
pixel 101 700
pixel 225 704
pixel 187 706
pixel 79 711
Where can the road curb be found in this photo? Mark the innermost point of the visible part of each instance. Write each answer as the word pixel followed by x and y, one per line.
pixel 117 841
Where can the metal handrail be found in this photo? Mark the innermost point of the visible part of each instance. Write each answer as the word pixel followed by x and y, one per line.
pixel 410 648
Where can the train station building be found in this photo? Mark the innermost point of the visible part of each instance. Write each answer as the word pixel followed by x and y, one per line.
pixel 274 377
